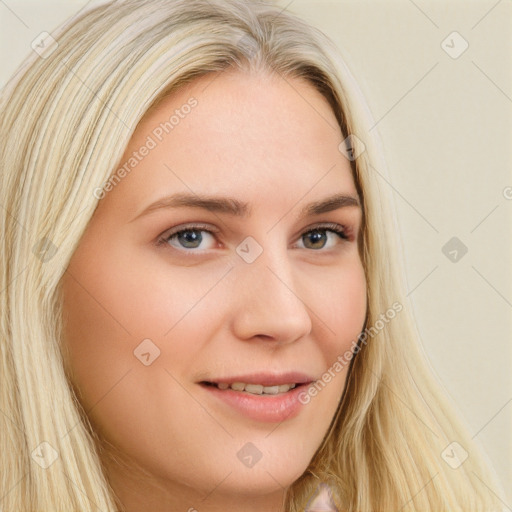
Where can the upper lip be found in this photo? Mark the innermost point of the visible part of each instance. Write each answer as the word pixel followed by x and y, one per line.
pixel 266 379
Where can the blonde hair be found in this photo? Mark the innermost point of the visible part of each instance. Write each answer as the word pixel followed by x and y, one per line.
pixel 67 117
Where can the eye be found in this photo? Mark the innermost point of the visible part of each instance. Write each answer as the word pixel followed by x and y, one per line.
pixel 191 237
pixel 318 238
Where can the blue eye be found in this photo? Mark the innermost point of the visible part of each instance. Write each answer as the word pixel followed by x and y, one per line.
pixel 188 238
pixel 191 237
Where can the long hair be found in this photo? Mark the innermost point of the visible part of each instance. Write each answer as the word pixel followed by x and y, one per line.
pixel 66 118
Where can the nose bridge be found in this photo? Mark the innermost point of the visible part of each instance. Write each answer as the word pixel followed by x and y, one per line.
pixel 268 299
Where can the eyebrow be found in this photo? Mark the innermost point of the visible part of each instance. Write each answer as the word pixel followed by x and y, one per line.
pixel 234 207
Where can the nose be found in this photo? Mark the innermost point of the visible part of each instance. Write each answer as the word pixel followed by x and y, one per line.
pixel 268 304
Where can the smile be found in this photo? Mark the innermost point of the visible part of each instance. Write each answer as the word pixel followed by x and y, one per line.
pixel 254 389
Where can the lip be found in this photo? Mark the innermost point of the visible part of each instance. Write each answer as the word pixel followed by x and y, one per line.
pixel 267 379
pixel 262 408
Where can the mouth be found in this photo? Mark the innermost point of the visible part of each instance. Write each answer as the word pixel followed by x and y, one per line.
pixel 263 397
pixel 254 389
pixel 260 402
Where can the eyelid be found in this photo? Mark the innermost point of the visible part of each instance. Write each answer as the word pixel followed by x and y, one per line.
pixel 186 227
pixel 329 226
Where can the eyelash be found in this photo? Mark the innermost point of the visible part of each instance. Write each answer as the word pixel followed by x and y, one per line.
pixel 342 231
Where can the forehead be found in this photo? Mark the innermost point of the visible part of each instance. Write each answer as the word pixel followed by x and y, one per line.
pixel 260 137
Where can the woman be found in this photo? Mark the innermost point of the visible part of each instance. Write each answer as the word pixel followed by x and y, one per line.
pixel 203 308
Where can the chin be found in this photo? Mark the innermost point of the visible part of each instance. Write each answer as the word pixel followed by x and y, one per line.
pixel 269 477
pixel 258 483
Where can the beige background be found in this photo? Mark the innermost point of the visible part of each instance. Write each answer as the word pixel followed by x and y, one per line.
pixel 446 128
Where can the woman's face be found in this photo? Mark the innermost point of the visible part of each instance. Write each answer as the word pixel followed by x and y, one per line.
pixel 167 300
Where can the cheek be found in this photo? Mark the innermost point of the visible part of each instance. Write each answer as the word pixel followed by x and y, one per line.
pixel 343 306
pixel 113 304
pixel 343 311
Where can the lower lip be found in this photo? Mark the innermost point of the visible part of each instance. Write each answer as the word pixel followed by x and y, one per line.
pixel 263 408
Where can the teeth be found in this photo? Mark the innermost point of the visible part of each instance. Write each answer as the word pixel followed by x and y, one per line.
pixel 256 389
pixel 238 386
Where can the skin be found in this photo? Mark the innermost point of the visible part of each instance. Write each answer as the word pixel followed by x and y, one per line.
pixel 273 144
